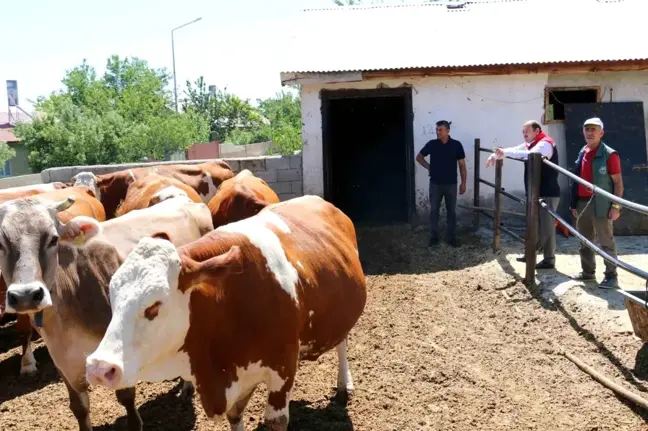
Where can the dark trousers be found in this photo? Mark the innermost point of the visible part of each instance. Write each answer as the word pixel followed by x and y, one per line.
pixel 447 192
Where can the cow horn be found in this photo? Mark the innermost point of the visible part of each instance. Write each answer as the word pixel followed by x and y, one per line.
pixel 65 204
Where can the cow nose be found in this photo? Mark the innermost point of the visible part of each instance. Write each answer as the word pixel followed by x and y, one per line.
pixel 26 298
pixel 103 373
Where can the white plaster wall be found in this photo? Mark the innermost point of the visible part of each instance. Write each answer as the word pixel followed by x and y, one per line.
pixel 492 108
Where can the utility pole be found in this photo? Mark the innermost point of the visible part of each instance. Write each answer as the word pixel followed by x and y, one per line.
pixel 175 86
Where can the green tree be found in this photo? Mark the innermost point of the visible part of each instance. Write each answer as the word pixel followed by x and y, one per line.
pixel 224 111
pixel 6 152
pixel 120 117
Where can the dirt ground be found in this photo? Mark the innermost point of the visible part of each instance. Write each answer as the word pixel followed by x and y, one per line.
pixel 450 340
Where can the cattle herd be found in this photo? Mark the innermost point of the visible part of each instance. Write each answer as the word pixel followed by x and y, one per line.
pixel 179 271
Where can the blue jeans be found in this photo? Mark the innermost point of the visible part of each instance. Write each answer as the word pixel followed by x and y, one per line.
pixel 437 193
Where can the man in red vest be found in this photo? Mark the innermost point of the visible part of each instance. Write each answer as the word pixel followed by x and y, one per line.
pixel 537 141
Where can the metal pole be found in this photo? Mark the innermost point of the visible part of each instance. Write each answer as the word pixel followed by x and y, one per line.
pixel 476 184
pixel 533 208
pixel 175 86
pixel 497 205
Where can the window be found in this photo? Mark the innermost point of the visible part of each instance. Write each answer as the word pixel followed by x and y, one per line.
pixel 557 97
pixel 5 171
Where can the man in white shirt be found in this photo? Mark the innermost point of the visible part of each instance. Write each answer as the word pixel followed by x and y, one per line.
pixel 536 141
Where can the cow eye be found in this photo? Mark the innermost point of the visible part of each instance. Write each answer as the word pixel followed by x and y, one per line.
pixel 53 242
pixel 151 312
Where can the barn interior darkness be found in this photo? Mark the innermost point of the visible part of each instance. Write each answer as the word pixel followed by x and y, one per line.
pixel 367 160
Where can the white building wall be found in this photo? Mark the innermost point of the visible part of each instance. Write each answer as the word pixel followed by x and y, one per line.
pixel 492 108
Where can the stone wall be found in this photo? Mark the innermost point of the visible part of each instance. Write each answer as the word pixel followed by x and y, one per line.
pixel 282 173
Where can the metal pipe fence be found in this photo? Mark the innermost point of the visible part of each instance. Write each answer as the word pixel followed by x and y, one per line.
pixel 533 205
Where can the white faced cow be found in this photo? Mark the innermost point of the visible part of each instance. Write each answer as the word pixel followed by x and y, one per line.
pixel 59 274
pixel 236 308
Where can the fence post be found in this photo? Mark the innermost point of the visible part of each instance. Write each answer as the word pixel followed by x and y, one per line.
pixel 533 208
pixel 476 184
pixel 497 205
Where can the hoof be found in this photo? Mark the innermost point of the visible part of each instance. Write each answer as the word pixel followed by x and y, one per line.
pixel 187 391
pixel 343 396
pixel 29 369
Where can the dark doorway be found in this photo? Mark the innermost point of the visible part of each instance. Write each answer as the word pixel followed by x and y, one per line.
pixel 625 131
pixel 368 154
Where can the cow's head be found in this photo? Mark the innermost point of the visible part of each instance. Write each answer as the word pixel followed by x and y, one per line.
pixel 168 193
pixel 149 297
pixel 87 179
pixel 29 242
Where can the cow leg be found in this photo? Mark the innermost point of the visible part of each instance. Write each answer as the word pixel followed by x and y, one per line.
pixel 279 391
pixel 79 404
pixel 187 390
pixel 27 361
pixel 126 398
pixel 344 379
pixel 235 415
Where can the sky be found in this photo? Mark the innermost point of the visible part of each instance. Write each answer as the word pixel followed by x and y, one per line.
pixel 236 44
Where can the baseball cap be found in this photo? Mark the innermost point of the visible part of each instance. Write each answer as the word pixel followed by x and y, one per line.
pixel 595 121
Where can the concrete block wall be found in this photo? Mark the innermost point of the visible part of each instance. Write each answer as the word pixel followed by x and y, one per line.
pixel 282 173
pixel 19 181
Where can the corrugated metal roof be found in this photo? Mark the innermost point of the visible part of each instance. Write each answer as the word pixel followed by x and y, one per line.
pixel 7 135
pixel 479 33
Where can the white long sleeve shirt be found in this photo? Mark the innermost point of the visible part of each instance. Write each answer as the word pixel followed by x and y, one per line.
pixel 521 151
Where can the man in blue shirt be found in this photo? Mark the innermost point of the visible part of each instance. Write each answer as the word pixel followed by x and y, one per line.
pixel 446 154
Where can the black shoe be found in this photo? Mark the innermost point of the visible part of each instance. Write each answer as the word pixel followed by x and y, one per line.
pixel 433 242
pixel 454 242
pixel 609 282
pixel 521 258
pixel 543 264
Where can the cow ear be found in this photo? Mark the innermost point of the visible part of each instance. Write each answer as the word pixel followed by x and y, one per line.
pixel 162 235
pixel 79 231
pixel 229 262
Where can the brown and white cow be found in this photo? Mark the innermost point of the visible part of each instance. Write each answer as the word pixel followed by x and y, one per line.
pixel 238 307
pixel 240 197
pixel 84 205
pixel 204 178
pixel 59 274
pixel 153 189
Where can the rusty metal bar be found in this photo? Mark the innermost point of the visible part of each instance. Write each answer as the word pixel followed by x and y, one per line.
pixel 497 205
pixel 504 192
pixel 490 210
pixel 476 183
pixel 505 229
pixel 533 207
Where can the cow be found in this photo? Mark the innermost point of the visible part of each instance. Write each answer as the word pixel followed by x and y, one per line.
pixel 31 190
pixel 58 275
pixel 86 205
pixel 204 178
pixel 238 307
pixel 89 180
pixel 151 190
pixel 240 197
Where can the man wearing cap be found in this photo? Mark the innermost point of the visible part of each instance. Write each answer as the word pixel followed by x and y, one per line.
pixel 445 155
pixel 599 164
pixel 537 141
